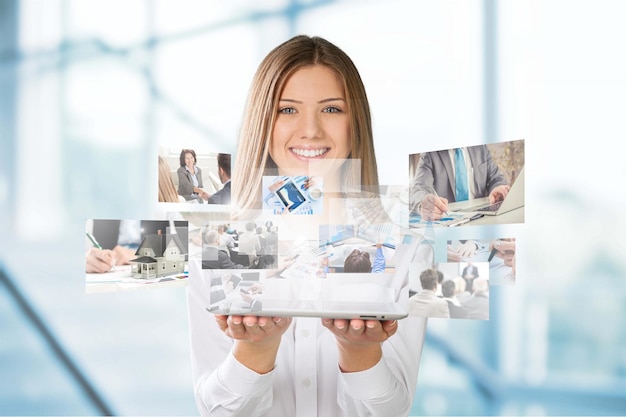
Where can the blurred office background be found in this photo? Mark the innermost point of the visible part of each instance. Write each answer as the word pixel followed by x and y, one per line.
pixel 89 89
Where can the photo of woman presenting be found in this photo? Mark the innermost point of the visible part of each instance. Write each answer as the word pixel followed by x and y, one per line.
pixel 307 107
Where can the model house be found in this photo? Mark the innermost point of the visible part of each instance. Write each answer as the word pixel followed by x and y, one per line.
pixel 159 255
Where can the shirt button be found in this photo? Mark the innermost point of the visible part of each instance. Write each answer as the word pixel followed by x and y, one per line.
pixel 306 382
pixel 305 333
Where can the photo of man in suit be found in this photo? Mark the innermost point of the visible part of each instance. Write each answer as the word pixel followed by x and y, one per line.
pixel 451 175
pixel 470 273
pixel 223 170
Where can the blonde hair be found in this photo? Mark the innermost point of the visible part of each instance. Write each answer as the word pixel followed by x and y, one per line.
pixel 253 159
pixel 167 189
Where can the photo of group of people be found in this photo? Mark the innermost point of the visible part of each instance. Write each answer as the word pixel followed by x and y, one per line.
pixel 240 245
pixel 452 290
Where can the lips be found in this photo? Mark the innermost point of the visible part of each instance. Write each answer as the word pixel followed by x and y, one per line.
pixel 309 153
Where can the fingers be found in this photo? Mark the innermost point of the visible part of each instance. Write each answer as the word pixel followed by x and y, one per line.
pixel 433 207
pixel 243 328
pixel 441 204
pixel 453 256
pixel 222 322
pixel 467 249
pixel 361 331
pixel 100 261
pixel 276 185
pixel 123 255
pixel 389 327
pixel 499 193
pixel 252 328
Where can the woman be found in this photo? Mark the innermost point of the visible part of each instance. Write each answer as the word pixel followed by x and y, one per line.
pixel 307 111
pixel 167 189
pixel 190 178
pixel 263 100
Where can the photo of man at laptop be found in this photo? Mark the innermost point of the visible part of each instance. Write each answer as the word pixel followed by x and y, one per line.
pixel 468 185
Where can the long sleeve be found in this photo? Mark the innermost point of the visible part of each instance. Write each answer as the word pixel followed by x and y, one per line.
pixel 199 177
pixel 487 175
pixel 306 381
pixel 380 263
pixel 185 186
pixel 423 181
pixel 387 389
pixel 222 386
pixel 234 390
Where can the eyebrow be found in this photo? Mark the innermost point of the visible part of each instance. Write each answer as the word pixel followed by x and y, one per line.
pixel 326 100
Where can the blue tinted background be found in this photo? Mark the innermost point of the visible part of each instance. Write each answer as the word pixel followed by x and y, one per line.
pixel 90 89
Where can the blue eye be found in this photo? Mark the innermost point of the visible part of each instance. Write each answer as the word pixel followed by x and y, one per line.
pixel 332 109
pixel 287 110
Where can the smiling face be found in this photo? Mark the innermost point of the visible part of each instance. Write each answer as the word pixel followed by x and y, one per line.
pixel 190 161
pixel 313 123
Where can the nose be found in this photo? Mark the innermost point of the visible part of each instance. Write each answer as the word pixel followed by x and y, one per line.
pixel 310 126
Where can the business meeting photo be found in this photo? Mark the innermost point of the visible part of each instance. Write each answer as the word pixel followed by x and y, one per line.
pixel 194 176
pixel 499 253
pixel 251 244
pixel 467 186
pixel 452 290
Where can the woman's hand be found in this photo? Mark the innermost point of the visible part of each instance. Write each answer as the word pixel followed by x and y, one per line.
pixel 100 260
pixel 505 249
pixel 276 185
pixel 359 341
pixel 256 339
pixel 202 193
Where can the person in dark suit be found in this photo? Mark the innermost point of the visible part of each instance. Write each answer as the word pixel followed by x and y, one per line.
pixel 223 169
pixel 448 290
pixel 435 185
pixel 213 257
pixel 470 273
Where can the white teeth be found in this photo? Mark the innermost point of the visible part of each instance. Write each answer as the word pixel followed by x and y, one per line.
pixel 309 153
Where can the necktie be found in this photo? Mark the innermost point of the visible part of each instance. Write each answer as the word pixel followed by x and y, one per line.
pixel 460 175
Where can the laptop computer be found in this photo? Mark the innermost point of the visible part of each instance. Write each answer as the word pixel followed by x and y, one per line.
pixel 514 199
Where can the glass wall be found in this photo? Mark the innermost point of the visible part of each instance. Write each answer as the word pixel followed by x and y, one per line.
pixel 90 90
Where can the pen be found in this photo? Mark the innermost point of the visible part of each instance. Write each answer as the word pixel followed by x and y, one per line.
pixel 466 220
pixel 97 245
pixel 459 223
pixel 493 251
pixel 93 240
pixel 445 213
pixel 431 202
